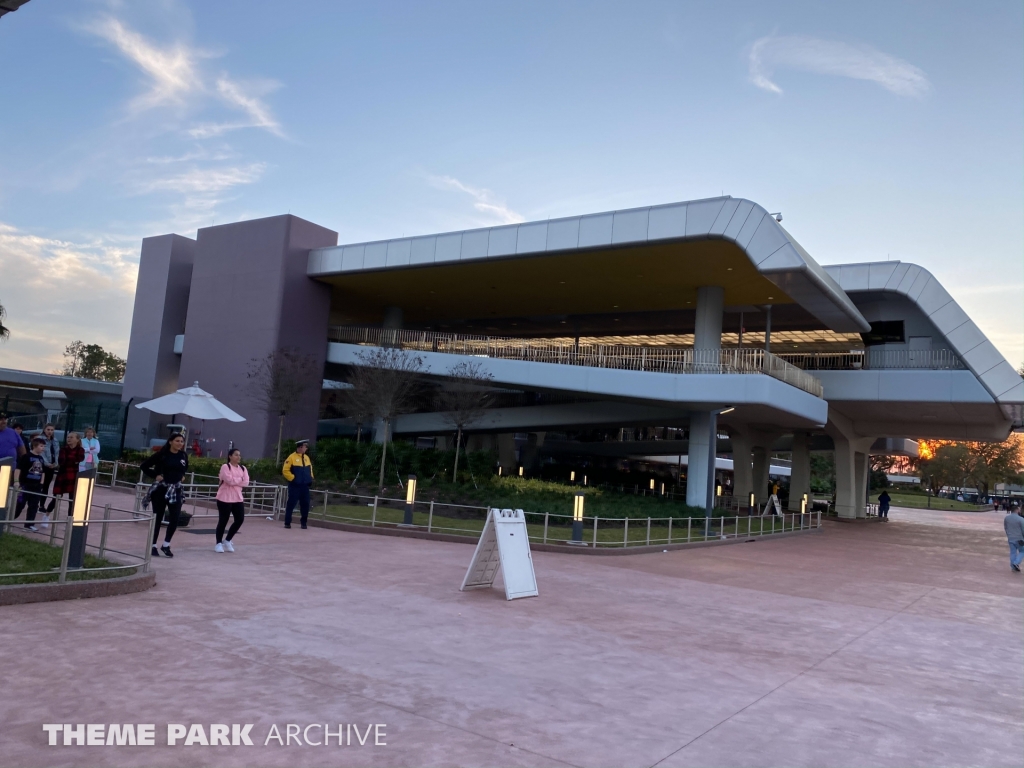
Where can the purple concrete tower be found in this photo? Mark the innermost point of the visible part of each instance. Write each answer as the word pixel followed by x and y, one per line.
pixel 250 296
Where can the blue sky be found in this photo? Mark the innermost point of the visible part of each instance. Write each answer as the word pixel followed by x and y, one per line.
pixel 881 130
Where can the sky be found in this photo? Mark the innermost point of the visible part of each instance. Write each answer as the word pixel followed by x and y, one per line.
pixel 881 130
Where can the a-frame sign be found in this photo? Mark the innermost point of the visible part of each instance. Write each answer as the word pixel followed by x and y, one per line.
pixel 505 544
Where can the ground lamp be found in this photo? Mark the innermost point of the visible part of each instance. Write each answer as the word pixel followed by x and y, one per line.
pixel 5 487
pixel 584 479
pixel 652 483
pixel 80 520
pixel 572 476
pixel 577 519
pixel 751 501
pixel 803 505
pixel 520 471
pixel 662 489
pixel 499 470
pixel 410 499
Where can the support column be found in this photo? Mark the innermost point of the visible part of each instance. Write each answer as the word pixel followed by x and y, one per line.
pixel 697 464
pixel 851 492
pixel 800 479
pixel 507 452
pixel 762 456
pixel 742 470
pixel 860 482
pixel 708 325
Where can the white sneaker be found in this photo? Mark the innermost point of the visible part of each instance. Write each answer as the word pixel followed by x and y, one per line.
pixel 229 546
pixel 46 521
pixel 31 528
pixel 219 548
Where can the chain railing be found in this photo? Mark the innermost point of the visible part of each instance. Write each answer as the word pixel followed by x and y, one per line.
pixel 54 531
pixel 549 528
pixel 657 359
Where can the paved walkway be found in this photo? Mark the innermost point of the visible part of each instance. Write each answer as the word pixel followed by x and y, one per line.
pixel 867 644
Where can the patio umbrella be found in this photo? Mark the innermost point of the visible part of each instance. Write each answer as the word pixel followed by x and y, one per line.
pixel 191 401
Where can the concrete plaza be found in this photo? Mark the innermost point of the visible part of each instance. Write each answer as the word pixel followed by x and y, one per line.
pixel 862 645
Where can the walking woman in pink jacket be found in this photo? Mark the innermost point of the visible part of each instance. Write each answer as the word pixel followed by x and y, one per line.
pixel 233 478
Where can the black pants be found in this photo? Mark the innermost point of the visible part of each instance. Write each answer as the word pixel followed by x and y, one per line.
pixel 226 509
pixel 30 498
pixel 160 505
pixel 297 494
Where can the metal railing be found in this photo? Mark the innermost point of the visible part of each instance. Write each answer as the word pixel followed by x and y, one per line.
pixel 657 359
pixel 57 528
pixel 549 528
pixel 875 359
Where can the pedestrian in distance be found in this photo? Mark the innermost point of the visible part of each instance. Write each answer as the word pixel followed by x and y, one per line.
pixel 19 430
pixel 11 446
pixel 1013 525
pixel 92 451
pixel 28 476
pixel 167 467
pixel 233 478
pixel 298 471
pixel 883 505
pixel 71 456
pixel 51 463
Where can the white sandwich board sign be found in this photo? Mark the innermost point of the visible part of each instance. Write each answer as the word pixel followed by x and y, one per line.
pixel 505 544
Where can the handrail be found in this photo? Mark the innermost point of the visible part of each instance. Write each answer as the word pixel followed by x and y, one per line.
pixel 876 359
pixel 655 359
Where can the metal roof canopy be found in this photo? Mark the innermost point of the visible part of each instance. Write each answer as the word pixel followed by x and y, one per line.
pixel 640 259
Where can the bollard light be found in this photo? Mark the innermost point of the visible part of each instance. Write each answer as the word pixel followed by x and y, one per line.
pixel 652 483
pixel 662 489
pixel 410 499
pixel 577 519
pixel 499 470
pixel 572 476
pixel 751 501
pixel 520 471
pixel 584 479
pixel 803 505
pixel 80 519
pixel 5 487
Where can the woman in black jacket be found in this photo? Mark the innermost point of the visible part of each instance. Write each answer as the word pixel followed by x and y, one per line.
pixel 167 467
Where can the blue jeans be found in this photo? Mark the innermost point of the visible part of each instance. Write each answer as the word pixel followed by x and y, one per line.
pixel 1016 553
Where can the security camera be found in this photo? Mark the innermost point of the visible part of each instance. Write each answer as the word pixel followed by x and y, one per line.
pixel 778 217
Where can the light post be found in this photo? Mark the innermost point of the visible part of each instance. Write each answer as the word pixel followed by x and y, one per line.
pixel 80 519
pixel 410 499
pixel 5 490
pixel 577 520
pixel 572 476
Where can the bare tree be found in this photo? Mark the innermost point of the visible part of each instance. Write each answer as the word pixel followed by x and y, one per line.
pixel 463 399
pixel 384 384
pixel 280 381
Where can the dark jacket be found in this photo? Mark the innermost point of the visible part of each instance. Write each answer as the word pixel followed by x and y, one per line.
pixel 172 466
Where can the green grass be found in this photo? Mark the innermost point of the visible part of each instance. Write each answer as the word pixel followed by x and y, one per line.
pixel 920 501
pixel 20 554
pixel 610 532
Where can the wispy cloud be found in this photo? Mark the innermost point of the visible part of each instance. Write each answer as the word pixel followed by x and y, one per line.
pixel 64 290
pixel 172 70
pixel 832 57
pixel 484 200
pixel 206 180
pixel 235 93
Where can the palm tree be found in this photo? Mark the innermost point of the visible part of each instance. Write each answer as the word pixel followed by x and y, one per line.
pixel 5 332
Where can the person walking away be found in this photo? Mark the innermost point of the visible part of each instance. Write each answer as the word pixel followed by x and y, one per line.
pixel 167 467
pixel 11 446
pixel 92 451
pixel 68 461
pixel 298 471
pixel 51 463
pixel 883 505
pixel 19 430
pixel 233 478
pixel 1013 525
pixel 29 477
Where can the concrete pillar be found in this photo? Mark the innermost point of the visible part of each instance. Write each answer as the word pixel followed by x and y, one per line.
pixel 697 466
pixel 708 325
pixel 742 469
pixel 762 456
pixel 800 479
pixel 507 452
pixel 851 472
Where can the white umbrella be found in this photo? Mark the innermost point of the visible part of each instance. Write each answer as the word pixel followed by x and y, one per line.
pixel 191 401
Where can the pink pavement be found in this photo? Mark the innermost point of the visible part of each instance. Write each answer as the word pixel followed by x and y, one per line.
pixel 894 644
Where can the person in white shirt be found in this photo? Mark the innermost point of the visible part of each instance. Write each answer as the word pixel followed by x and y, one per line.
pixel 92 451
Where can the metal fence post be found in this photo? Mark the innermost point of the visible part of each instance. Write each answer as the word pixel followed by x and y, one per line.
pixel 113 475
pixel 625 533
pixel 689 525
pixel 545 527
pixel 103 533
pixel 669 531
pixel 430 516
pixel 66 550
pixel 648 531
pixel 53 521
pixel 373 517
pixel 595 533
pixel 323 516
pixel 149 544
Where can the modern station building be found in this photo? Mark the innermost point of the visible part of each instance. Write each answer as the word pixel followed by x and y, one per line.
pixel 704 317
